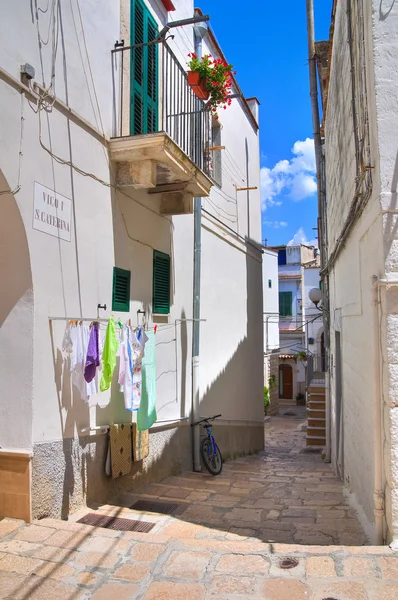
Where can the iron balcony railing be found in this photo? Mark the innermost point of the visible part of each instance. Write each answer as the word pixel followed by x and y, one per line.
pixel 151 95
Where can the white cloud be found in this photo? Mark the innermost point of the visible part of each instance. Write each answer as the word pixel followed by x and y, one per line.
pixel 275 224
pixel 295 177
pixel 301 238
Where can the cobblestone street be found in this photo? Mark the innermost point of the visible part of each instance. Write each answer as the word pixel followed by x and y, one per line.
pixel 227 537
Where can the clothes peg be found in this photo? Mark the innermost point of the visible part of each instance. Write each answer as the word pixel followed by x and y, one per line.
pixel 155 329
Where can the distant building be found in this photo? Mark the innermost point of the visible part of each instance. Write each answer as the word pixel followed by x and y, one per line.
pixel 271 326
pixel 298 268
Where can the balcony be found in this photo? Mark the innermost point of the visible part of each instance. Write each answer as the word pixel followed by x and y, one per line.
pixel 161 130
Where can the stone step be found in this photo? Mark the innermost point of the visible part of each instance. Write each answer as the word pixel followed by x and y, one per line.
pixel 316 405
pixel 315 441
pixel 316 431
pixel 316 422
pixel 316 389
pixel 316 396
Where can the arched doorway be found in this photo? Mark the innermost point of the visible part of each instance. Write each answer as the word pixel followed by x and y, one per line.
pixel 285 382
pixel 16 360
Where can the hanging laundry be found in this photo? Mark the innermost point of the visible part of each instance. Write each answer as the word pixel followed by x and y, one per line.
pixel 125 369
pixel 139 340
pixel 92 386
pixel 93 353
pixel 147 416
pixel 109 356
pixel 75 344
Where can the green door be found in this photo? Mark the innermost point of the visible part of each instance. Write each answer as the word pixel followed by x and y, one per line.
pixel 144 71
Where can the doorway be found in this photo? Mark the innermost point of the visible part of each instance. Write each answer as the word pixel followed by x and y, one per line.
pixel 286 382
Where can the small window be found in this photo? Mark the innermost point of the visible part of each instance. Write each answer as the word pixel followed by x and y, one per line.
pixel 269 283
pixel 285 304
pixel 216 154
pixel 320 284
pixel 121 290
pixel 282 257
pixel 161 283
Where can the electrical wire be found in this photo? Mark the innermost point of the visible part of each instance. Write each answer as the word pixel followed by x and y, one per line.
pixel 214 207
pixel 233 164
pixel 89 66
pixel 20 154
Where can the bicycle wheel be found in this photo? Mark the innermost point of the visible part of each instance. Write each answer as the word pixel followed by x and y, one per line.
pixel 212 462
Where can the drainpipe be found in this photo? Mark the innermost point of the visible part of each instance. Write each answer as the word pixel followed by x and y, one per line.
pixel 200 30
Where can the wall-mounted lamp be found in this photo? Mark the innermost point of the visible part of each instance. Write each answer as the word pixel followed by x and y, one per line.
pixel 315 295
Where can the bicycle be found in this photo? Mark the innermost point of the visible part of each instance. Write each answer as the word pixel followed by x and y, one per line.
pixel 209 450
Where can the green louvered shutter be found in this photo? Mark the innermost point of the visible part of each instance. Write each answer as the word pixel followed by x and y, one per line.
pixel 121 290
pixel 161 283
pixel 144 71
pixel 285 304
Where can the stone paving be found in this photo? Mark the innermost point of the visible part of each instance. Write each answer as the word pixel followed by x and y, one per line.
pixel 227 539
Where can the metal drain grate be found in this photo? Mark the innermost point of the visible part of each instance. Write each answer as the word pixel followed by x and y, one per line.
pixel 288 563
pixel 116 523
pixel 165 508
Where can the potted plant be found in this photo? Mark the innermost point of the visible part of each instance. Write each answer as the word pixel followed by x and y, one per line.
pixel 266 399
pixel 300 399
pixel 211 78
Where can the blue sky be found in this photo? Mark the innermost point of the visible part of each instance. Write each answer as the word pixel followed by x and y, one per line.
pixel 268 48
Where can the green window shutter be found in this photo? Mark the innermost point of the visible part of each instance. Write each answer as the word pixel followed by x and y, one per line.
pixel 285 304
pixel 161 283
pixel 144 71
pixel 121 290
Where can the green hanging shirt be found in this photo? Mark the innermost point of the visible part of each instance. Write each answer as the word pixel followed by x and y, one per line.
pixel 109 356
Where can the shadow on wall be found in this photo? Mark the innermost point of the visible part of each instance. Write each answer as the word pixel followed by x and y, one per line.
pixel 16 326
pixel 243 373
pixel 80 463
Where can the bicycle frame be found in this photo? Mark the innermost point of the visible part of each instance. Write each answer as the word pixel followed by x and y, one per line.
pixel 211 438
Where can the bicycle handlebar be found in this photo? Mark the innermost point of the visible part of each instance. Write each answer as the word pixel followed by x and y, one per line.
pixel 205 419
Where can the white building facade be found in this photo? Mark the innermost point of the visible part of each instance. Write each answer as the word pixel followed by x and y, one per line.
pixel 360 146
pixel 271 326
pixel 98 180
pixel 293 335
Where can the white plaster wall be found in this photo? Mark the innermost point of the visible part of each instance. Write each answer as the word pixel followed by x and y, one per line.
pixel 312 316
pixel 71 278
pixel 58 268
pixel 351 293
pixel 385 44
pixel 293 255
pixel 231 357
pixel 270 300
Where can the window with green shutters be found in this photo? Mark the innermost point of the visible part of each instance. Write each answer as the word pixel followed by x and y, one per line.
pixel 285 304
pixel 144 71
pixel 161 283
pixel 121 290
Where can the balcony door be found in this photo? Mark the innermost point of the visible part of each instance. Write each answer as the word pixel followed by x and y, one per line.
pixel 144 71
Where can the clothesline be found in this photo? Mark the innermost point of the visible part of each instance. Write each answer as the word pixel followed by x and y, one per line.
pixel 105 320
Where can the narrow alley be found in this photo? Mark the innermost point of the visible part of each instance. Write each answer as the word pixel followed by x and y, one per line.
pixel 274 526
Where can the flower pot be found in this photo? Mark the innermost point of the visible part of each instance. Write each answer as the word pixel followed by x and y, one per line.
pixel 198 85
